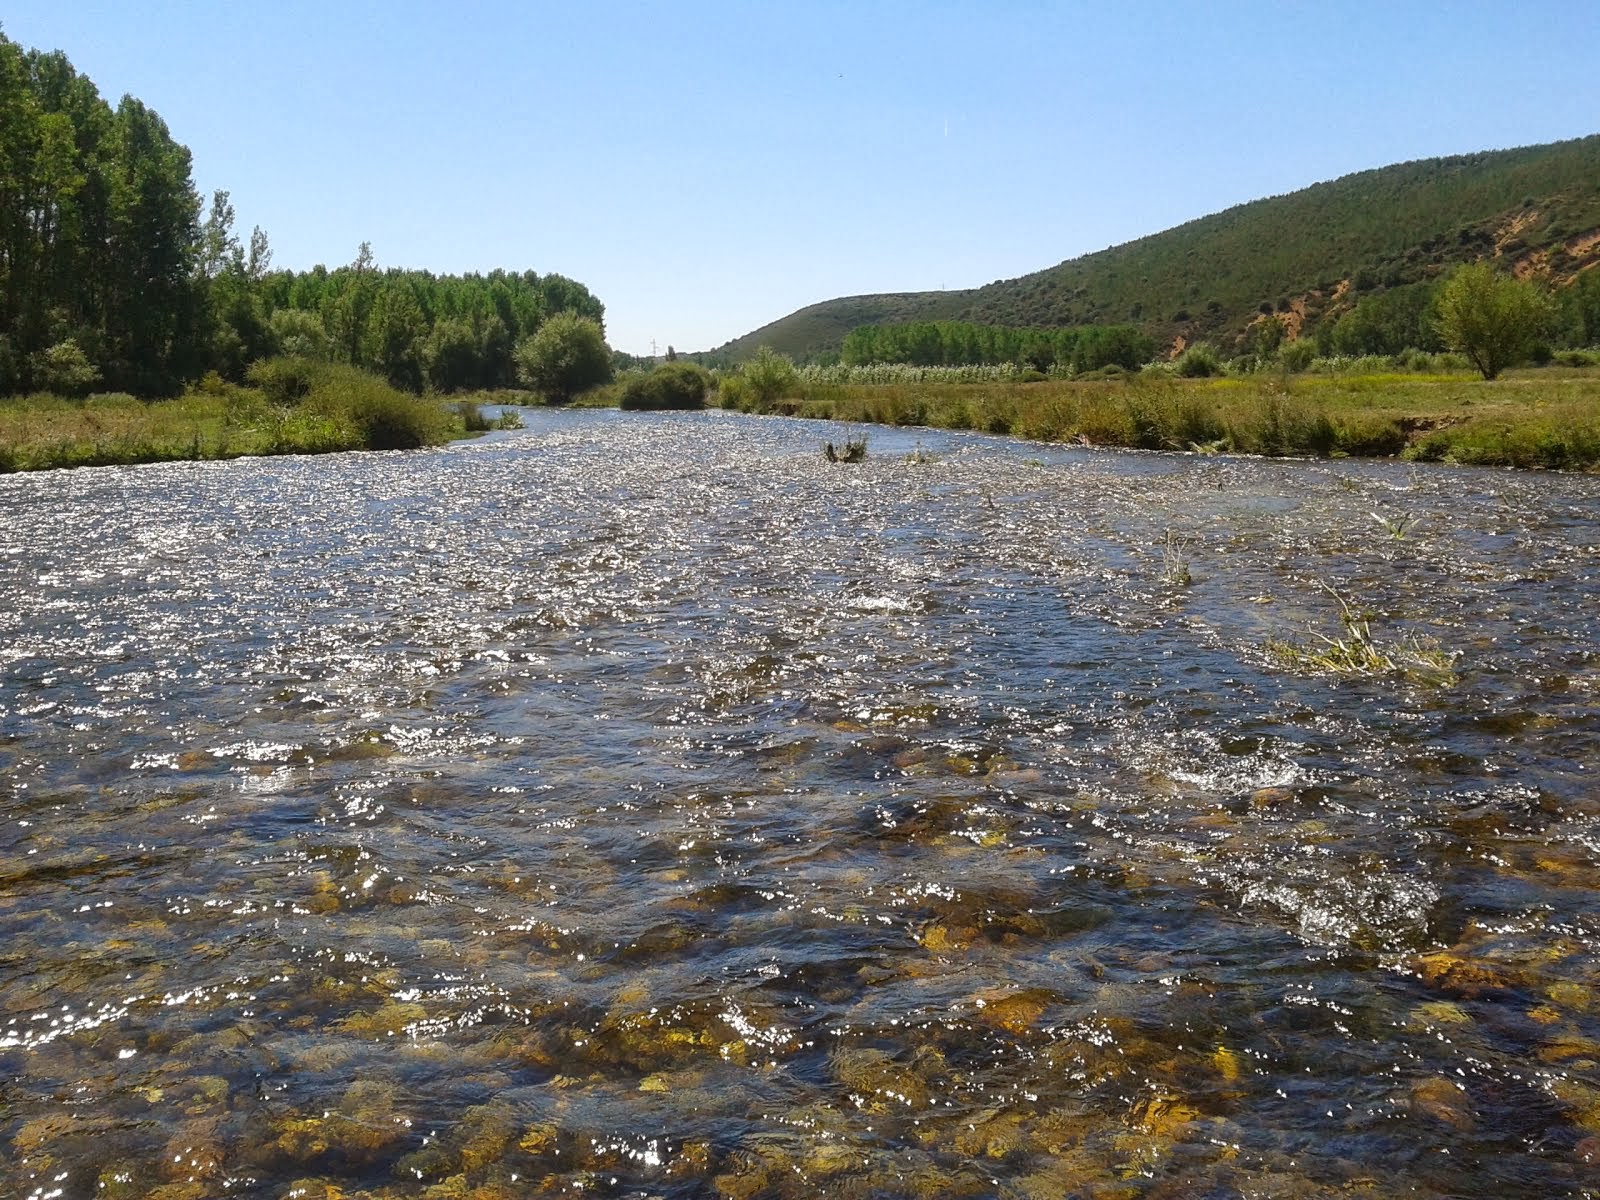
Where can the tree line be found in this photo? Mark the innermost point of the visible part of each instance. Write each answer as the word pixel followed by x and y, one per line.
pixel 114 275
pixel 960 343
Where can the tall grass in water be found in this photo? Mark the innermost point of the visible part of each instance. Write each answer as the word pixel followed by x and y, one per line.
pixel 1359 652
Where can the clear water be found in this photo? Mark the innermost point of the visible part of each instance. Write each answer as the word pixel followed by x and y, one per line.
pixel 642 806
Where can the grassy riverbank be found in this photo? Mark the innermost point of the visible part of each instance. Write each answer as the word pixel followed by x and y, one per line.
pixel 1537 418
pixel 290 407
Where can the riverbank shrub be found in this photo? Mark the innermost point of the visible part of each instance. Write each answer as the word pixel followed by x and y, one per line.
pixel 769 376
pixel 672 385
pixel 1199 361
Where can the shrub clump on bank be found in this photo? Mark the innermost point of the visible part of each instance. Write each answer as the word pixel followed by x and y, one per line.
pixel 672 385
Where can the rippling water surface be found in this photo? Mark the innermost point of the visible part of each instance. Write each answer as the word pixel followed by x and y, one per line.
pixel 636 806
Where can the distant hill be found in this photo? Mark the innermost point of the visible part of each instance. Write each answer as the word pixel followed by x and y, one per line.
pixel 1306 256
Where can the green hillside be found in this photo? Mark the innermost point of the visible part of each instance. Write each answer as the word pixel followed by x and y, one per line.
pixel 1307 256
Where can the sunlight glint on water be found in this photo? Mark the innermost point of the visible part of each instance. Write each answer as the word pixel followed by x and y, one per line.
pixel 644 806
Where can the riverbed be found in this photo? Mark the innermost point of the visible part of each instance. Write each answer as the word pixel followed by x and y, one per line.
pixel 639 806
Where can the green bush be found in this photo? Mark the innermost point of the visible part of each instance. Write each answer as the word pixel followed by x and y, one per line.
pixel 65 369
pixel 285 381
pixel 384 418
pixel 334 407
pixel 1371 436
pixel 769 375
pixel 732 392
pixel 1297 356
pixel 1199 361
pixel 673 385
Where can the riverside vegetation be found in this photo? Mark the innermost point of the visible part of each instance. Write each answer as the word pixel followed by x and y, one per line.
pixel 287 407
pixel 134 328
pixel 1371 407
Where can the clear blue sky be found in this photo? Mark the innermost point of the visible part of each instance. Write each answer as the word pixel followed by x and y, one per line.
pixel 705 168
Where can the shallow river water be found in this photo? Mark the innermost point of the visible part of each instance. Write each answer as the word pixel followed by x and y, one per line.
pixel 643 806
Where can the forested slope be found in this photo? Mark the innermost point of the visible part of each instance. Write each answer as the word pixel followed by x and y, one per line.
pixel 1308 255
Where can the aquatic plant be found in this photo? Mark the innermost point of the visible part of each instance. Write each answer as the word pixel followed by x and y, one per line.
pixel 1175 561
pixel 853 451
pixel 1359 652
pixel 1396 527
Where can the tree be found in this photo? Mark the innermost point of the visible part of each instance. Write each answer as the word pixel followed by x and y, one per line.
pixel 152 297
pixel 567 355
pixel 1494 319
pixel 450 355
pixel 299 334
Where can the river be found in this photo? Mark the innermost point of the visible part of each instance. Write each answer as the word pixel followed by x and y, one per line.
pixel 642 806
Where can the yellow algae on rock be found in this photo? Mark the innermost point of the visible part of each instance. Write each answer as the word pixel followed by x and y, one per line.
pixel 1437 1012
pixel 749 1174
pixel 35 1134
pixel 1269 798
pixel 991 1134
pixel 826 1159
pixel 693 1158
pixel 879 1083
pixel 1164 1114
pixel 1583 1101
pixel 1226 1063
pixel 1058 1131
pixel 539 1139
pixel 1470 976
pixel 1572 996
pixel 1015 1012
pixel 388 1020
pixel 1562 1049
pixel 314 1189
pixel 486 1132
pixel 179 1191
pixel 1078 1174
pixel 1443 1100
pixel 205 1092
